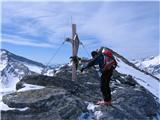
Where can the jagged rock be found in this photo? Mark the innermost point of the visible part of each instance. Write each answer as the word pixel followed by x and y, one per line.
pixel 34 115
pixel 54 100
pixel 136 103
pixel 83 91
pixel 129 104
pixel 130 101
pixel 129 80
pixel 19 85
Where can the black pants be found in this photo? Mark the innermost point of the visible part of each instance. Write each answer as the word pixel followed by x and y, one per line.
pixel 105 80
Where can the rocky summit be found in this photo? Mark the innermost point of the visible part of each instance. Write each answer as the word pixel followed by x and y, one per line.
pixel 63 99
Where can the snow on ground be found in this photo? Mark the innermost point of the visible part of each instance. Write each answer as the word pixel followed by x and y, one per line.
pixel 2 65
pixel 91 106
pixel 93 114
pixel 34 68
pixel 10 82
pixel 154 61
pixel 2 105
pixel 50 72
pixel 96 113
pixel 30 87
pixel 5 107
pixel 5 91
pixel 149 65
pixel 3 61
pixel 146 81
pixel 158 76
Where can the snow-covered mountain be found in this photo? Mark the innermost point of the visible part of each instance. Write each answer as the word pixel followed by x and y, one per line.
pixel 13 68
pixel 148 81
pixel 150 65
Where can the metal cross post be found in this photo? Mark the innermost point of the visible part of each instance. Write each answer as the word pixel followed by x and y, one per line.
pixel 75 45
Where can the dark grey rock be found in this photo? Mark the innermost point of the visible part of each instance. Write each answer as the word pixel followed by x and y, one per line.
pixel 44 102
pixel 34 115
pixel 130 100
pixel 19 85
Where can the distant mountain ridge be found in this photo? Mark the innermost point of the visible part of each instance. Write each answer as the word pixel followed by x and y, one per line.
pixel 57 97
pixel 14 67
pixel 133 64
pixel 150 65
pixel 13 57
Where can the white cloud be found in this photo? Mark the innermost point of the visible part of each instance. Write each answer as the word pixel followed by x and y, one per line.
pixel 120 25
pixel 126 26
pixel 25 42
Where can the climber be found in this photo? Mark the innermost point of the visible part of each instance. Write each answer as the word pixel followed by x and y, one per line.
pixel 107 63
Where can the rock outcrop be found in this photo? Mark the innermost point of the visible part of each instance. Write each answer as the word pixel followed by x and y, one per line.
pixel 50 103
pixel 63 99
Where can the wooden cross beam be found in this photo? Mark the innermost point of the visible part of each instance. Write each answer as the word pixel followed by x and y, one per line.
pixel 75 45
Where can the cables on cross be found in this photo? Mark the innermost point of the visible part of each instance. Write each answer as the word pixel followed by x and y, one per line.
pixel 74 58
pixel 54 55
pixel 75 46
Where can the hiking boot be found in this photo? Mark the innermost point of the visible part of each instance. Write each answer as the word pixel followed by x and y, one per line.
pixel 108 102
pixel 102 102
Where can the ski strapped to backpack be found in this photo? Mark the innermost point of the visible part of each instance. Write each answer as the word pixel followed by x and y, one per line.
pixel 109 60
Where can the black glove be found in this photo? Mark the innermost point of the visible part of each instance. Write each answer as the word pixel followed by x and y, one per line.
pixel 82 69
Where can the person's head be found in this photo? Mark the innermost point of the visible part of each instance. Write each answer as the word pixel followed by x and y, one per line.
pixel 94 54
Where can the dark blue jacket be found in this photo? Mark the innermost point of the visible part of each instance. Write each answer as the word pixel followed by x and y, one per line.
pixel 99 60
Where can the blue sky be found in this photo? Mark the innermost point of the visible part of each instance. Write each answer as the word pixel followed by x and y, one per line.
pixel 36 29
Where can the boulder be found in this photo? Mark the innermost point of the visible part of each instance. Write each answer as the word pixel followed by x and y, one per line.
pixel 44 102
pixel 67 99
